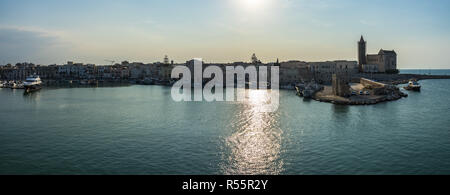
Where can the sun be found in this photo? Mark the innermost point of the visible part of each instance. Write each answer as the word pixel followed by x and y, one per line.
pixel 253 5
pixel 252 9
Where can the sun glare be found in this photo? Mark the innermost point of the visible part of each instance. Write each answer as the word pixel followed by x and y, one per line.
pixel 253 5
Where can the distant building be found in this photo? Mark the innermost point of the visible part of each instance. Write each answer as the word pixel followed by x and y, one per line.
pixel 340 85
pixel 370 68
pixel 293 72
pixel 384 61
pixel 362 46
pixel 166 60
pixel 323 71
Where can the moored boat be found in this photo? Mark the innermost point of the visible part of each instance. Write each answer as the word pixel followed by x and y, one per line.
pixel 33 83
pixel 413 86
pixel 17 85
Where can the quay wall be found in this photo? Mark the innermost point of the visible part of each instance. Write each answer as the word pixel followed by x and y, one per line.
pixel 374 84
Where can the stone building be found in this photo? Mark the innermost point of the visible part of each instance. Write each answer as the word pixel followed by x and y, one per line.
pixel 362 47
pixel 293 72
pixel 323 71
pixel 165 70
pixel 341 85
pixel 384 61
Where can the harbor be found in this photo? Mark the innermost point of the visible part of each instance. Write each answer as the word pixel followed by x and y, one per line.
pixel 82 130
pixel 231 96
pixel 372 79
pixel 359 90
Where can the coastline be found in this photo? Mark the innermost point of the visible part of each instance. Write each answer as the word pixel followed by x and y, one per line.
pixel 389 79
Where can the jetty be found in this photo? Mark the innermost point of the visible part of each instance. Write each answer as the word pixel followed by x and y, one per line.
pixel 398 79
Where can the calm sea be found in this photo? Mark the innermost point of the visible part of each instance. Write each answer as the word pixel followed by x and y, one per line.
pixel 140 130
pixel 426 71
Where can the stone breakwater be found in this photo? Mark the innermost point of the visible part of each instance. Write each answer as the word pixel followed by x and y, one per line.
pixel 390 93
pixel 398 79
pixel 369 92
pixel 359 101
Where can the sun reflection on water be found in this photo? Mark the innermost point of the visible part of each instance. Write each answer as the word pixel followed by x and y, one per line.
pixel 254 147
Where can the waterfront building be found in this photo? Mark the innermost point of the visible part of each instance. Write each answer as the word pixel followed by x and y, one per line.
pixel 47 72
pixel 104 72
pixel 323 71
pixel 340 85
pixel 124 73
pixel 385 61
pixel 166 72
pixel 137 70
pixel 346 67
pixel 370 68
pixel 362 50
pixel 293 72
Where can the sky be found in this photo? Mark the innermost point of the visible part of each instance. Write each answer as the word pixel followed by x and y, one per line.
pixel 93 31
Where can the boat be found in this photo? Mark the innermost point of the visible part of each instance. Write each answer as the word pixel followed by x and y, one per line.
pixel 299 91
pixel 308 91
pixel 413 86
pixel 6 84
pixel 17 85
pixel 148 81
pixel 83 82
pixel 93 82
pixel 33 83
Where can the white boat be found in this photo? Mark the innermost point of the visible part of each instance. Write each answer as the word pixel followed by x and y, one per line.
pixel 33 83
pixel 19 86
pixel 16 86
pixel 414 86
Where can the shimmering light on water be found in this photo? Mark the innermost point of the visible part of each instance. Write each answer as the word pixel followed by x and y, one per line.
pixel 255 145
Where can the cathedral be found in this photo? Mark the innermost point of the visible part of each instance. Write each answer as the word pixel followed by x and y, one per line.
pixel 383 62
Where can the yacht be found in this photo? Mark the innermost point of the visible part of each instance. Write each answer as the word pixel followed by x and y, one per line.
pixel 33 83
pixel 413 86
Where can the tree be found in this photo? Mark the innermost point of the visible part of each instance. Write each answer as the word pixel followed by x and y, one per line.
pixel 255 59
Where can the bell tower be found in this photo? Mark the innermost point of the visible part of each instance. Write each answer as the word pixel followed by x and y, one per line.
pixel 362 47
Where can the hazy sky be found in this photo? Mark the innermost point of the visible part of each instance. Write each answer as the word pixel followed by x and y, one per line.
pixel 90 31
